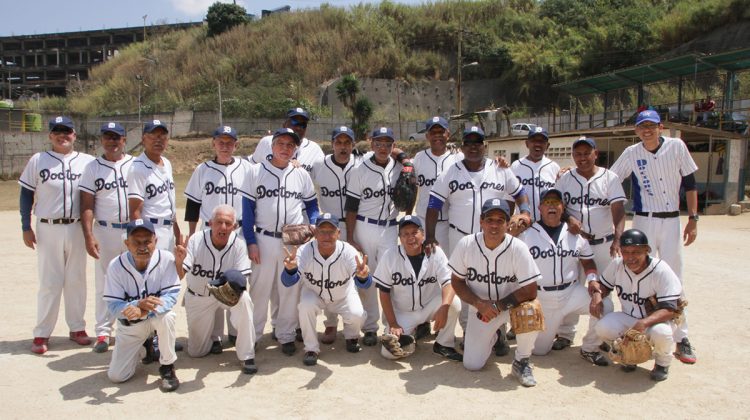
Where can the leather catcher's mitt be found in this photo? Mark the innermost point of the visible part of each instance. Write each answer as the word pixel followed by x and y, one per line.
pixel 632 348
pixel 527 317
pixel 225 294
pixel 405 191
pixel 398 347
pixel 296 234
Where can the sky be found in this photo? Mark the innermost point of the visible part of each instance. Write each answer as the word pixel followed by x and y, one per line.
pixel 24 17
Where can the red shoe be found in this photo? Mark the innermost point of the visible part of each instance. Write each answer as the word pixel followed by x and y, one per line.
pixel 39 345
pixel 80 337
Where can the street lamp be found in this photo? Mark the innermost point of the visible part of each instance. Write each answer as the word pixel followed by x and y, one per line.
pixel 458 85
pixel 141 84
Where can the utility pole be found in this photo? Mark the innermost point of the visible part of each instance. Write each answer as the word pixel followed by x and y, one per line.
pixel 144 27
pixel 459 62
pixel 221 115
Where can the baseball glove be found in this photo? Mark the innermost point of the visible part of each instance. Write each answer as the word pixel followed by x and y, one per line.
pixel 527 317
pixel 404 193
pixel 296 234
pixel 398 347
pixel 225 294
pixel 632 348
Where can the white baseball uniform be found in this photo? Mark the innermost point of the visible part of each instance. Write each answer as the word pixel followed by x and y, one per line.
pixel 107 182
pixel 535 178
pixel 124 286
pixel 376 229
pixel 328 284
pixel 332 180
pixel 558 289
pixel 417 296
pixel 212 184
pixel 204 263
pixel 308 154
pixel 61 253
pixel 658 280
pixel 492 274
pixel 154 185
pixel 427 168
pixel 279 196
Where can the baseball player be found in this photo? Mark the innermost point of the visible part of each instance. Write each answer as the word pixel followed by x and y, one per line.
pixel 208 256
pixel 557 254
pixel 371 215
pixel 151 186
pixel 535 171
pixel 636 277
pixel 52 179
pixel 141 288
pixel 493 272
pixel 308 154
pixel 415 288
pixel 330 272
pixel 274 194
pixel 658 167
pixel 104 197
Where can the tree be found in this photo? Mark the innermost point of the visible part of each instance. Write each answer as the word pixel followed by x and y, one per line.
pixel 347 90
pixel 222 17
pixel 361 114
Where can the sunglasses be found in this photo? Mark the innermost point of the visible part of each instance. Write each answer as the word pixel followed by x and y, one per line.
pixel 62 130
pixel 296 123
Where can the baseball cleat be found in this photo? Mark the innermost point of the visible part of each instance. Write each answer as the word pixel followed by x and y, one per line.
pixel 685 352
pixel 449 353
pixel 522 371
pixel 594 357
pixel 249 367
pixel 289 348
pixel 39 345
pixel 502 348
pixel 216 347
pixel 298 335
pixel 628 368
pixel 310 359
pixel 370 339
pixel 80 337
pixel 152 354
pixel 177 346
pixel 169 381
pixel 659 373
pixel 423 330
pixel 102 344
pixel 329 336
pixel 352 345
pixel 605 347
pixel 561 343
pixel 232 339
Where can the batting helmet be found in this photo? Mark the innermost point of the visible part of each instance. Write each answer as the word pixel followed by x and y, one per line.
pixel 633 237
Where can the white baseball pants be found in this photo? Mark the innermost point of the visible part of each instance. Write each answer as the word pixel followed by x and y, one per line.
pixel 201 324
pixel 111 245
pixel 374 240
pixel 311 305
pixel 481 337
pixel 125 356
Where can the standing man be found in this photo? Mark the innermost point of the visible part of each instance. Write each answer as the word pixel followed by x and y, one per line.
pixel 535 171
pixel 274 194
pixel 104 197
pixel 371 215
pixel 308 154
pixel 494 272
pixel 141 288
pixel 52 178
pixel 658 167
pixel 151 186
pixel 210 255
pixel 330 270
pixel 415 288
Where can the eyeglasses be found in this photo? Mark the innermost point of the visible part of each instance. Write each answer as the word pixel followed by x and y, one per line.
pixel 551 202
pixel 298 123
pixel 62 130
pixel 647 126
pixel 382 144
pixel 111 136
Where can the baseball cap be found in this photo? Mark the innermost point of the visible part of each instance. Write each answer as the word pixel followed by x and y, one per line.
pixel 113 127
pixel 648 115
pixel 471 132
pixel 585 140
pixel 436 121
pixel 225 131
pixel 408 219
pixel 327 218
pixel 496 204
pixel 63 121
pixel 545 193
pixel 235 278
pixel 153 125
pixel 539 131
pixel 383 132
pixel 342 130
pixel 287 132
pixel 297 112
pixel 136 224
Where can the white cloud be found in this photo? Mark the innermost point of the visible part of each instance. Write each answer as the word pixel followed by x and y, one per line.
pixel 197 8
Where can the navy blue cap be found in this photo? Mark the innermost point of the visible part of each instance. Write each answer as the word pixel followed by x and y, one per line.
pixel 297 112
pixel 436 121
pixel 539 131
pixel 648 115
pixel 342 130
pixel 496 204
pixel 113 127
pixel 235 278
pixel 287 132
pixel 545 193
pixel 408 219
pixel 136 224
pixel 383 132
pixel 471 131
pixel 153 125
pixel 63 121
pixel 327 218
pixel 585 140
pixel 225 130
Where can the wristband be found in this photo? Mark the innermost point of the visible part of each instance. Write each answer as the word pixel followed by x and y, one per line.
pixel 524 207
pixel 592 276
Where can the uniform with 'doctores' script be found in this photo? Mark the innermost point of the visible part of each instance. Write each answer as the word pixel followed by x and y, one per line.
pixel 427 168
pixel 154 185
pixel 332 181
pixel 535 177
pixel 212 184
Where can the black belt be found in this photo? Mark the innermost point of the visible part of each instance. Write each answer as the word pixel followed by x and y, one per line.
pixel 554 288
pixel 58 221
pixel 391 222
pixel 239 223
pixel 607 238
pixel 659 214
pixel 127 322
pixel 114 225
pixel 164 222
pixel 189 290
pixel 455 227
pixel 268 233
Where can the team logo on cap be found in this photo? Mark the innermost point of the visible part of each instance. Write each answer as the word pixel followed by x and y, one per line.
pixel 326 216
pixel 342 128
pixel 157 122
pixel 383 130
pixel 496 202
pixel 299 110
pixel 59 119
pixel 138 222
pixel 435 119
pixel 538 129
pixel 474 129
pixel 227 129
pixel 111 125
pixel 406 218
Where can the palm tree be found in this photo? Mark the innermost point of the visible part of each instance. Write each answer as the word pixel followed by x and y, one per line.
pixel 347 90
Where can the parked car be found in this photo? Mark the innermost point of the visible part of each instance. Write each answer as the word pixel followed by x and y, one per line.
pixel 522 129
pixel 420 135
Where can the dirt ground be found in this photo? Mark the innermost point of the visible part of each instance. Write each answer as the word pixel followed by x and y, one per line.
pixel 70 379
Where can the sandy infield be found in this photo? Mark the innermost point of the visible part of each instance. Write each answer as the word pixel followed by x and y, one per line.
pixel 70 381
